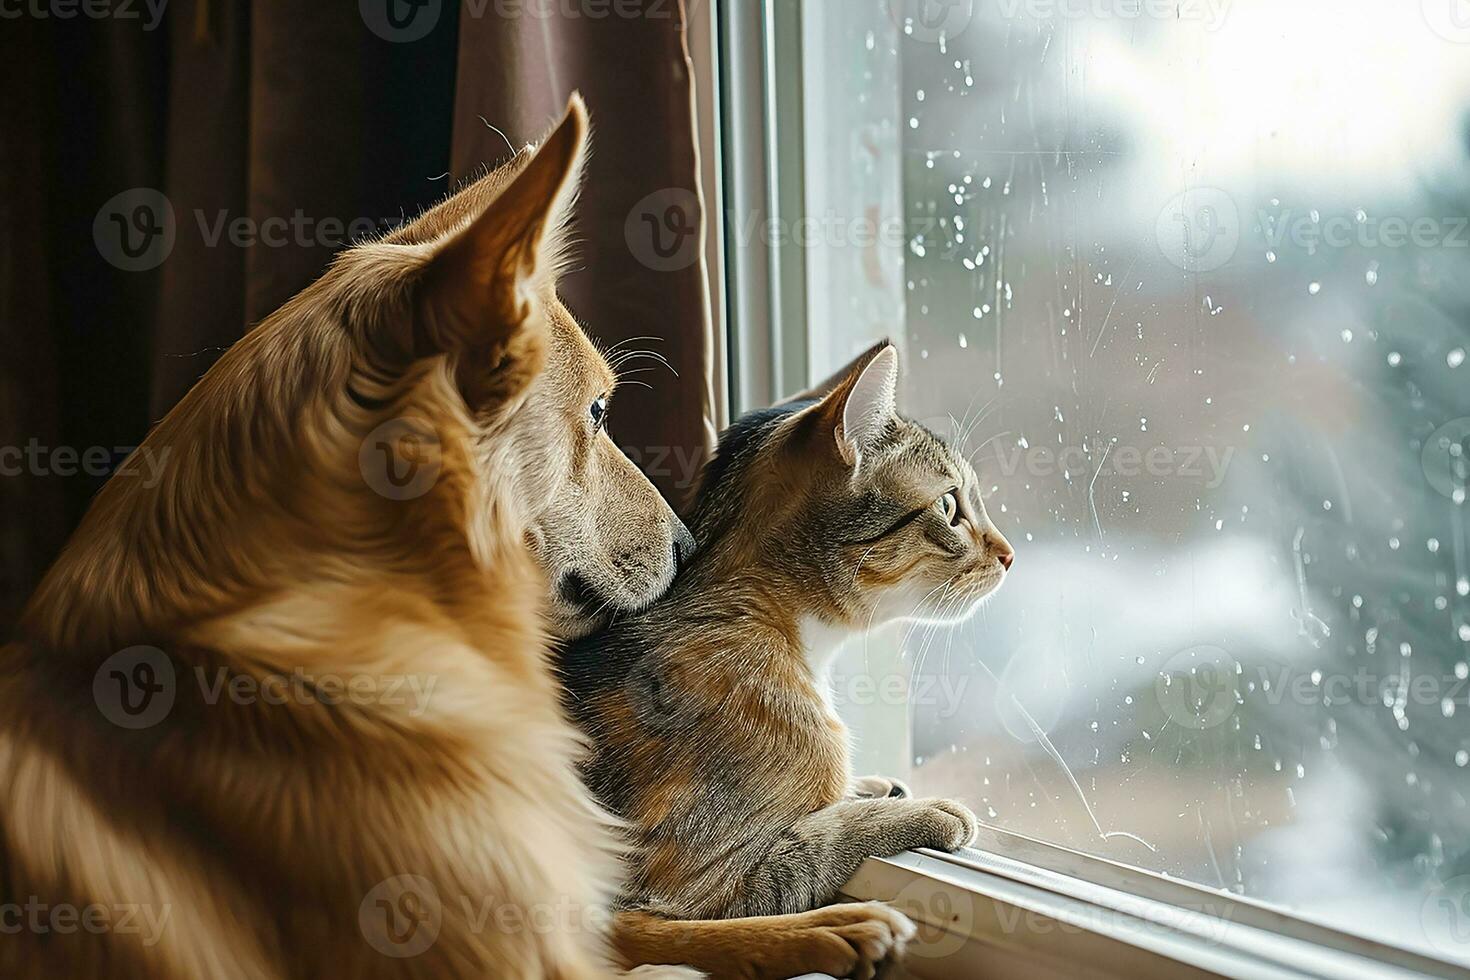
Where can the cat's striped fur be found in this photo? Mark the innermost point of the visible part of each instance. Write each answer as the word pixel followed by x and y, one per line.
pixel 712 733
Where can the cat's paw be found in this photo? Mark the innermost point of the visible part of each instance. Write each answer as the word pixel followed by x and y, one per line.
pixel 879 787
pixel 945 825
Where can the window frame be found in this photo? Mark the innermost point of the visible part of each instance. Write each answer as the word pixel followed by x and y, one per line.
pixel 1082 915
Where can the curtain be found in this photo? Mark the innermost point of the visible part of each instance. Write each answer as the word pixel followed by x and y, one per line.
pixel 240 145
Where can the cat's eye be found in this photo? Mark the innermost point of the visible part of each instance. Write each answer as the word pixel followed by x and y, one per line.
pixel 598 411
pixel 949 506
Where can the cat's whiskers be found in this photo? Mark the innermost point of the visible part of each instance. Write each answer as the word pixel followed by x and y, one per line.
pixel 925 642
pixel 940 620
pixel 873 611
pixel 915 615
pixel 942 606
pixel 969 457
pixel 969 430
pixel 957 434
pixel 858 570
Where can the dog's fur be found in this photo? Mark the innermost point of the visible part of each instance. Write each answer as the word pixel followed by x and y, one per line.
pixel 288 815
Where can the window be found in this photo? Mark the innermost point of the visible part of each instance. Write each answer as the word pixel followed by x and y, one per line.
pixel 1190 281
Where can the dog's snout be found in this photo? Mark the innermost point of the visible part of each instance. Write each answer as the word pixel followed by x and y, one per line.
pixel 683 546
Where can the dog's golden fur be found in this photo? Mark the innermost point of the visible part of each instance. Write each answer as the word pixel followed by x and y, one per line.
pixel 264 835
pixel 261 828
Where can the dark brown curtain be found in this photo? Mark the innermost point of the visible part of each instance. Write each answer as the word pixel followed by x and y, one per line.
pixel 239 145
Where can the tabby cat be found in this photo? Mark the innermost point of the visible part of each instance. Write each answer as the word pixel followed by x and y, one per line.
pixel 711 730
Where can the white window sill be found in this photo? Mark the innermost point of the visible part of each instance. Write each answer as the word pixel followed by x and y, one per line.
pixel 1058 913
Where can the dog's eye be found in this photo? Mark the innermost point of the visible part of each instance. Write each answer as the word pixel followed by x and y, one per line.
pixel 949 506
pixel 598 411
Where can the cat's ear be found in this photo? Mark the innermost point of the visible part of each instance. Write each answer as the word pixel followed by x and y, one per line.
pixel 824 388
pixel 863 405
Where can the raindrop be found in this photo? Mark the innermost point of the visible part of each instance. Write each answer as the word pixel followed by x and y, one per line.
pixel 1395 359
pixel 1314 288
pixel 1455 357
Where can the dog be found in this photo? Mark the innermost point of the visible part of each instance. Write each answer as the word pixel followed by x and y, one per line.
pixel 288 712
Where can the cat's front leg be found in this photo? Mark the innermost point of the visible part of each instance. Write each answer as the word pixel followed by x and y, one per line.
pixel 877 788
pixel 817 856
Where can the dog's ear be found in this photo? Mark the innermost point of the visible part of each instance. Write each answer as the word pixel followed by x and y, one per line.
pixel 477 299
pixel 859 408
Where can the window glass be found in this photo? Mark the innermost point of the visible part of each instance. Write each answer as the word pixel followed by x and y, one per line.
pixel 1190 282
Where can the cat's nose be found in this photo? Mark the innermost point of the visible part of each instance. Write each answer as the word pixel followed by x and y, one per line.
pixel 998 546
